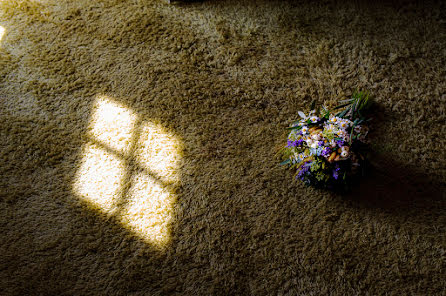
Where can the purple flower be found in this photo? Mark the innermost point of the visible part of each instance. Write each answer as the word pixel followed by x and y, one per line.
pixel 321 143
pixel 340 143
pixel 305 168
pixel 335 175
pixel 336 172
pixel 294 143
pixel 326 151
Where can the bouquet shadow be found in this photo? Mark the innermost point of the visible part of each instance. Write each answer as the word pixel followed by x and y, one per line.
pixel 395 188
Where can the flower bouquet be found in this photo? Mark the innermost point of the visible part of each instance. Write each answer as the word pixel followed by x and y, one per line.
pixel 327 149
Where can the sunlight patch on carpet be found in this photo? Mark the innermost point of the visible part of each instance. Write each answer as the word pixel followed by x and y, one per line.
pixel 128 168
pixel 157 150
pixel 149 209
pixel 112 124
pixel 2 32
pixel 100 178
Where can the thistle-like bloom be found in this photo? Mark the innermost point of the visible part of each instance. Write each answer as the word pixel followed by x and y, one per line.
pixel 340 143
pixel 291 143
pixel 305 168
pixel 336 172
pixel 326 152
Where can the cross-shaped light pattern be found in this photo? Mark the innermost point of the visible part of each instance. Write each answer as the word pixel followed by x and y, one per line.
pixel 128 168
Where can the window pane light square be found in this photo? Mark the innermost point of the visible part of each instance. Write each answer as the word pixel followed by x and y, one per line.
pixel 99 178
pixel 158 151
pixel 112 124
pixel 148 209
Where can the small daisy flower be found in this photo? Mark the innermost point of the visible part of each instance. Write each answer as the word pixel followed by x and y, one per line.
pixel 329 127
pixel 314 119
pixel 334 119
pixel 342 133
pixel 304 130
pixel 343 124
pixel 344 153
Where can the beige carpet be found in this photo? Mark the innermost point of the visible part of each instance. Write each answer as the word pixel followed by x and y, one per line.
pixel 138 141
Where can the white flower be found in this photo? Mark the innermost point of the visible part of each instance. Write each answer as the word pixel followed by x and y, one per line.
pixel 304 130
pixel 314 144
pixel 316 137
pixel 305 117
pixel 342 133
pixel 314 119
pixel 343 124
pixel 334 119
pixel 329 127
pixel 345 148
pixel 344 153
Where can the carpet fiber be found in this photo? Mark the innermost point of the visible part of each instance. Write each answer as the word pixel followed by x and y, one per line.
pixel 138 146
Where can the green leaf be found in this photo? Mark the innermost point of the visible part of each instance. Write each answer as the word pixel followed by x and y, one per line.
pixel 285 162
pixel 354 105
pixel 342 114
pixel 342 106
pixel 313 104
pixel 294 127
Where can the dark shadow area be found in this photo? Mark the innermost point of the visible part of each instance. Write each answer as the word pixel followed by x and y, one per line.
pixel 239 226
pixel 401 190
